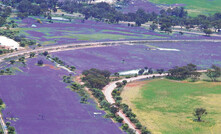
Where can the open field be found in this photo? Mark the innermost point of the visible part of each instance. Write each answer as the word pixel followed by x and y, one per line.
pixel 37 101
pixel 144 54
pixel 194 7
pixel 166 106
pixel 62 32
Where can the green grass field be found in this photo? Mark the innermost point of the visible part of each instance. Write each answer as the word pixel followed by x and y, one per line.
pixel 166 106
pixel 195 7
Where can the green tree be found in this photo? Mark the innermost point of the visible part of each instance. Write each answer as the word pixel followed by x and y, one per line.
pixel 1 101
pixel 207 32
pixel 12 61
pixel 40 62
pixel 214 72
pixel 199 112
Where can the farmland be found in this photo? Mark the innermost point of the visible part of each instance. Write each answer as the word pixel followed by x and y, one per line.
pixel 166 106
pixel 38 101
pixel 64 78
pixel 68 32
pixel 195 7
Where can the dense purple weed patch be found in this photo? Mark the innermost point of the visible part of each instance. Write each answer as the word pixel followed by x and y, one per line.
pixel 40 103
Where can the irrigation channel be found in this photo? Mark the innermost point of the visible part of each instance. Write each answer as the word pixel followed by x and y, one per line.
pixel 109 88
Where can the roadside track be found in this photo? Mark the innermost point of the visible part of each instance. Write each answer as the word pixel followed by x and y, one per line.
pixel 3 125
pixel 89 45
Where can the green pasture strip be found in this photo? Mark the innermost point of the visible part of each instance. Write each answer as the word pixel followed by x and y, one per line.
pixel 195 7
pixel 173 102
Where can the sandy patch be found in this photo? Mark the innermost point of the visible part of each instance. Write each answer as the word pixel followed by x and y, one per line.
pixel 4 41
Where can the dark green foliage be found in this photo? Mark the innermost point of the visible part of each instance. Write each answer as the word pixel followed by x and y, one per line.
pixel 11 130
pixel 97 93
pixel 45 53
pixel 32 55
pixel 119 119
pixel 125 126
pixel 207 32
pixel 160 71
pixel 214 73
pixel 130 131
pixel 40 62
pixel 199 112
pixel 114 109
pixel 145 131
pixel 104 104
pixel 95 78
pixel 138 125
pixel 12 61
pixel 181 73
pixel 67 79
pixel 1 101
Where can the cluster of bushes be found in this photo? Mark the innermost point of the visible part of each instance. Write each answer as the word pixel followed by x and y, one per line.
pixel 67 79
pixel 6 71
pixel 184 72
pixel 4 51
pixel 80 90
pixel 11 129
pixel 95 78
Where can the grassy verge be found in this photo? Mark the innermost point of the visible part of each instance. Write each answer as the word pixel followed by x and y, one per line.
pixel 166 106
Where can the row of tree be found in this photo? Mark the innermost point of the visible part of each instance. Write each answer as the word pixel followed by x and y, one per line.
pixel 184 72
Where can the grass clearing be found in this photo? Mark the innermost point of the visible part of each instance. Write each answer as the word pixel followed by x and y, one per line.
pixel 166 106
pixel 195 7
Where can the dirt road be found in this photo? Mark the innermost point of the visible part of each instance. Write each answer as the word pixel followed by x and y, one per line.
pixel 3 125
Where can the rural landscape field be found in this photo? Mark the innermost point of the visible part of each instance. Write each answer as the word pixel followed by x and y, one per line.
pixel 110 67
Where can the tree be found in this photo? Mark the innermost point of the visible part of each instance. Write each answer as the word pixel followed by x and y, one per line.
pixel 1 101
pixel 160 71
pixel 214 73
pixel 153 26
pixel 45 53
pixel 104 104
pixel 11 130
pixel 125 126
pixel 12 61
pixel 131 131
pixel 199 112
pixel 141 71
pixel 114 109
pixel 73 68
pixel 124 82
pixel 138 125
pixel 40 62
pixel 207 32
pixel 119 119
pixel 32 55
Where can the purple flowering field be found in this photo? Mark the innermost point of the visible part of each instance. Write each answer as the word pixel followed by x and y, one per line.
pixel 68 32
pixel 139 56
pixel 59 32
pixel 40 103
